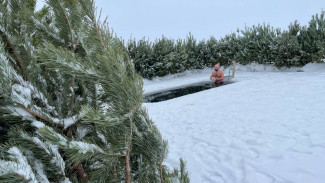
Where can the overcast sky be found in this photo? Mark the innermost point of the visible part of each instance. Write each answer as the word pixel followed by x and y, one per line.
pixel 203 18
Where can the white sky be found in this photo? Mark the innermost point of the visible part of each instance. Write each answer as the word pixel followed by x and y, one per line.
pixel 203 18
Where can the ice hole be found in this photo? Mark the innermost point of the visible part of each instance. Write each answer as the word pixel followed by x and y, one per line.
pixel 178 92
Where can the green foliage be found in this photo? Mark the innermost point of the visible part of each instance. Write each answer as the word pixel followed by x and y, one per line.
pixel 261 44
pixel 181 175
pixel 70 99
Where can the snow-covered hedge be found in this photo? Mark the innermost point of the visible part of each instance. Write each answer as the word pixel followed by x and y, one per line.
pixel 296 46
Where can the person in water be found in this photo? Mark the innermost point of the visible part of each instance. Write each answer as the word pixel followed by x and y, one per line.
pixel 217 75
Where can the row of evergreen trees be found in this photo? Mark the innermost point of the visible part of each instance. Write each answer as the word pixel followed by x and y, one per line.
pixel 296 46
pixel 71 101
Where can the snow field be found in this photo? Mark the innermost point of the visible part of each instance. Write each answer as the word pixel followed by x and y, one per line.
pixel 267 127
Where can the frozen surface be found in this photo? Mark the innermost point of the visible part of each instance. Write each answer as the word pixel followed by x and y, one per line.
pixel 267 127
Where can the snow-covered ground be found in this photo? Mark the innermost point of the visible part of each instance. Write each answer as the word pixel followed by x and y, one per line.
pixel 267 127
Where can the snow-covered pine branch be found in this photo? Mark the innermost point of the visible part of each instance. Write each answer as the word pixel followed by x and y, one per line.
pixel 18 166
pixel 69 89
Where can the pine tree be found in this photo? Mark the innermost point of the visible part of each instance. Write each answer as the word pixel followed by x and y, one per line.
pixel 289 47
pixel 71 101
pixel 212 54
pixel 191 49
pixel 162 55
pixel 316 32
pixel 181 57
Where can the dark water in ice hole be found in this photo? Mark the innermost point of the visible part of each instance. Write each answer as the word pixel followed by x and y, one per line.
pixel 174 93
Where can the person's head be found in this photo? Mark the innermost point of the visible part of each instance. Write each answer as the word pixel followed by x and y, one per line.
pixel 216 67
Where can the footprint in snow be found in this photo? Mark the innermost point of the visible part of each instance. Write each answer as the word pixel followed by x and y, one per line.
pixel 258 177
pixel 213 179
pixel 254 153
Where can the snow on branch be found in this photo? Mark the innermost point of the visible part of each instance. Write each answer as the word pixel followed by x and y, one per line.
pixel 53 136
pixel 28 114
pixel 66 62
pixel 50 149
pixel 19 167
pixel 69 121
pixel 84 147
pixel 23 93
pixel 90 115
pixel 81 147
pixel 40 175
pixel 5 72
